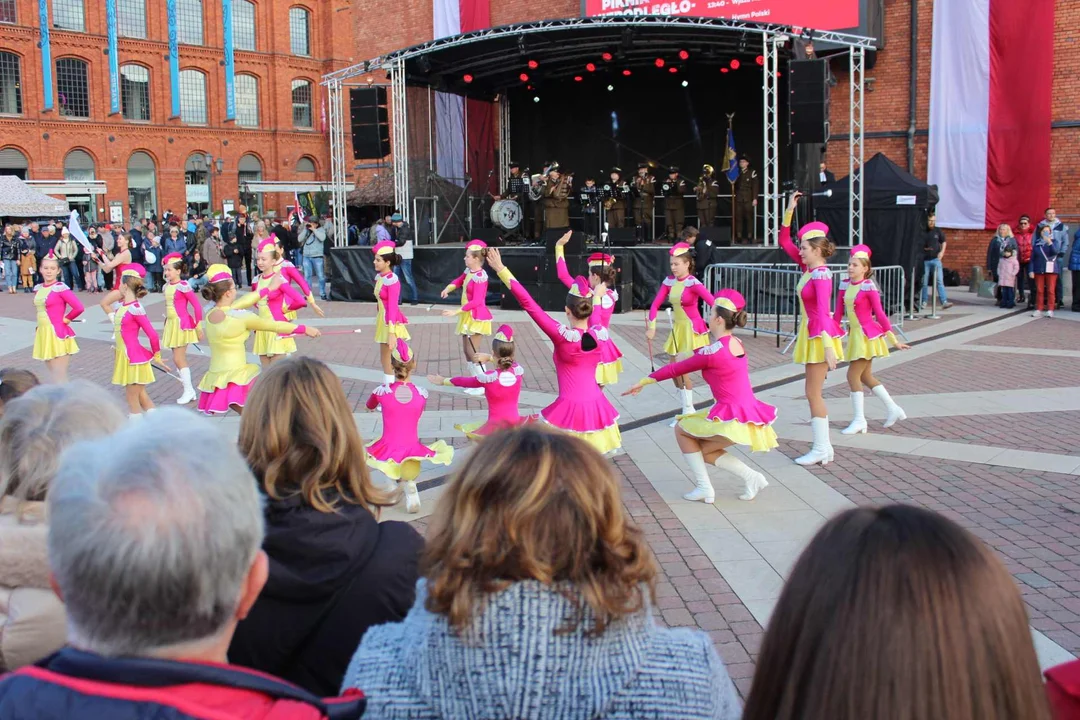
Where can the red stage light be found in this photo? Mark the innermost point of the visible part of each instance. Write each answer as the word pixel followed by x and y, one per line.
pixel 723 70
pixel 673 69
pixel 683 55
pixel 577 78
pixel 760 59
pixel 659 62
pixel 467 78
pixel 533 64
pixel 606 57
pixel 778 73
pixel 735 64
pixel 590 67
pixel 523 77
pixel 626 73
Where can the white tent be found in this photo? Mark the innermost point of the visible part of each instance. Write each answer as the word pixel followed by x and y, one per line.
pixel 17 199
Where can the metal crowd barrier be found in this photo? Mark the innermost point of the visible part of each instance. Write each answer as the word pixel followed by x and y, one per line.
pixel 772 307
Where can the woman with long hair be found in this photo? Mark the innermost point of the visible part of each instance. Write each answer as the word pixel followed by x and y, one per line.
pixel 335 570
pixel 121 257
pixel 390 322
pixel 897 613
pixel 474 317
pixel 537 602
pixel 132 366
pixel 54 340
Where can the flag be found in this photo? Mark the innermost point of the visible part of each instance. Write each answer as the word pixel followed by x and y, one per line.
pixel 989 147
pixel 77 232
pixel 299 210
pixel 731 157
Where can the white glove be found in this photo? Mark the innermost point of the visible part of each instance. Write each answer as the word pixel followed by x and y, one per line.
pixel 112 316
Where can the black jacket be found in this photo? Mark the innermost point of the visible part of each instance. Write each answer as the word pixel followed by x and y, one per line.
pixel 332 576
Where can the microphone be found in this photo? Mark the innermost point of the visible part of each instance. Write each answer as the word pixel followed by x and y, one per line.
pixel 823 193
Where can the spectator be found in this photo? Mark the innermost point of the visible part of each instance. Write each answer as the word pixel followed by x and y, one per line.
pixel 404 241
pixel 176 243
pixel 1074 268
pixel 1024 292
pixel 152 254
pixel 287 239
pixel 235 254
pixel 213 247
pixel 66 251
pixel 895 613
pixel 45 242
pixel 704 250
pixel 313 242
pixel 1044 270
pixel 335 570
pixel 243 232
pixel 90 261
pixel 1061 238
pixel 381 232
pixel 1002 239
pixel 27 260
pixel 197 274
pixel 933 252
pixel 36 428
pixel 9 254
pixel 1008 268
pixel 15 383
pixel 537 602
pixel 260 233
pixel 175 534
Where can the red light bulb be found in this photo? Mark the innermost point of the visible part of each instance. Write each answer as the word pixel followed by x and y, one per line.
pixel 735 64
pixel 467 78
pixel 673 69
pixel 760 59
pixel 626 73
pixel 723 70
pixel 533 64
pixel 659 62
pixel 523 77
pixel 683 55
pixel 590 67
pixel 577 78
pixel 606 57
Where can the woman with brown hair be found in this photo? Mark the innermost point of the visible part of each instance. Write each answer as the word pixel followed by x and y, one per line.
pixel 897 613
pixel 536 603
pixel 335 570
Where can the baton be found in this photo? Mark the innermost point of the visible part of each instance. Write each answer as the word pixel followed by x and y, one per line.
pixel 342 332
pixel 159 368
pixel 652 363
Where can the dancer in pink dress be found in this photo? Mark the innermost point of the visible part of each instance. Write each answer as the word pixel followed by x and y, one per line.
pixel 581 409
pixel 54 340
pixel 293 275
pixel 737 417
pixel 181 326
pixel 132 369
pixel 474 317
pixel 501 386
pixel 390 322
pixel 602 280
pixel 269 345
pixel 399 452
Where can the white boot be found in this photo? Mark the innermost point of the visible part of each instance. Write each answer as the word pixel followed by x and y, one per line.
pixel 858 418
pixel 821 451
pixel 412 497
pixel 687 401
pixel 703 492
pixel 189 391
pixel 134 416
pixel 474 368
pixel 895 413
pixel 754 481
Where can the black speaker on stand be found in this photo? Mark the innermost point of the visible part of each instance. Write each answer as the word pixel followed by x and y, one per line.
pixel 808 103
pixel 370 122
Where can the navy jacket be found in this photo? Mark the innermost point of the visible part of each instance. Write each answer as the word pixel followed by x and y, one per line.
pixel 1041 253
pixel 1074 256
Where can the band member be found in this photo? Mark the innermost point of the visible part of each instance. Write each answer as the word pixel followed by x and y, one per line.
pixel 673 189
pixel 707 190
pixel 644 191
pixel 535 194
pixel 746 193
pixel 515 184
pixel 589 197
pixel 615 193
pixel 557 199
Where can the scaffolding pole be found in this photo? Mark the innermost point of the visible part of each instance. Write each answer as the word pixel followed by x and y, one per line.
pixel 770 161
pixel 855 142
pixel 337 163
pixel 504 141
pixel 400 134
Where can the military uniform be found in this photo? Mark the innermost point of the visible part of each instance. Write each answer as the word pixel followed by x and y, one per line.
pixel 614 193
pixel 589 197
pixel 536 207
pixel 557 201
pixel 644 189
pixel 673 189
pixel 708 192
pixel 746 192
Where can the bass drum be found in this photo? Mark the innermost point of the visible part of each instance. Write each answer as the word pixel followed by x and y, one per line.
pixel 506 214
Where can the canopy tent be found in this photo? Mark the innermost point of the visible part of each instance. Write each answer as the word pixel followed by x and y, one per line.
pixel 17 199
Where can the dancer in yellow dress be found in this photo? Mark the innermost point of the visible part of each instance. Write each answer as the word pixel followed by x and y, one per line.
pixel 54 340
pixel 390 322
pixel 181 326
pixel 474 317
pixel 132 366
pixel 270 346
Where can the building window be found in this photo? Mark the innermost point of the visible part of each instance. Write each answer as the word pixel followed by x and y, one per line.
pixel 247 101
pixel 193 97
pixel 300 31
pixel 250 170
pixel 10 84
pixel 189 22
pixel 78 165
pixel 72 93
pixel 243 24
pixel 13 162
pixel 301 103
pixel 305 168
pixel 142 185
pixel 69 15
pixel 7 11
pixel 135 92
pixel 131 18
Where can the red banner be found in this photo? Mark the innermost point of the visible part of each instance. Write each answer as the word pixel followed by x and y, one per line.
pixel 830 15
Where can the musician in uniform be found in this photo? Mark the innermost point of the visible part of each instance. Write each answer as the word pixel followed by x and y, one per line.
pixel 673 189
pixel 746 194
pixel 615 199
pixel 708 192
pixel 557 198
pixel 516 190
pixel 536 203
pixel 644 189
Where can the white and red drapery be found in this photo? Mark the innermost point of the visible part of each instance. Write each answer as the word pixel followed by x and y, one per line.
pixel 458 119
pixel 991 84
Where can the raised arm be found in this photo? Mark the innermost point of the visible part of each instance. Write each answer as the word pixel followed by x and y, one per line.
pixel 294 275
pixel 560 267
pixel 785 240
pixel 476 292
pixel 250 299
pixel 660 299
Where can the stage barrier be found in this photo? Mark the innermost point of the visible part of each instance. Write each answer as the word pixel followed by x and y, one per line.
pixel 772 307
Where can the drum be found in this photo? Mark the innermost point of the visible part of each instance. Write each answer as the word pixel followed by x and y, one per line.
pixel 506 214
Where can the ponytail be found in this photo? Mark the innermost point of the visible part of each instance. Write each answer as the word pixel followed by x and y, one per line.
pixel 731 319
pixel 503 354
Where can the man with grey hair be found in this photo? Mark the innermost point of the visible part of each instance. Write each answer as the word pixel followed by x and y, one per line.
pixel 155 548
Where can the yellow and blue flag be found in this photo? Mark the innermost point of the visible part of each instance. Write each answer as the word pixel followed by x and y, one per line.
pixel 731 157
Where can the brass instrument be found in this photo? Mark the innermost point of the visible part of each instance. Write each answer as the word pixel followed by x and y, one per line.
pixel 702 187
pixel 639 182
pixel 609 203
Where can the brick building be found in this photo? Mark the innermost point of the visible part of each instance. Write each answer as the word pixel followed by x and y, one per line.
pixel 146 158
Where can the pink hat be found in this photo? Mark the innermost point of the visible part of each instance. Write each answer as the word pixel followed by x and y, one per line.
pixel 729 300
pixel 601 259
pixel 581 288
pixel 861 251
pixel 133 270
pixel 401 351
pixel 476 245
pixel 267 242
pixel 809 231
pixel 171 258
pixel 386 247
pixel 505 333
pixel 679 249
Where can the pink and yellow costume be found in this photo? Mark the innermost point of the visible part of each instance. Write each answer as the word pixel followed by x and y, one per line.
pixel 582 408
pixel 502 389
pixel 816 324
pixel 271 308
pixel 690 331
pixel 54 337
pixel 474 317
pixel 607 372
pixel 736 415
pixel 869 329
pixel 292 275
pixel 402 404
pixel 179 323
pixel 390 322
pixel 132 364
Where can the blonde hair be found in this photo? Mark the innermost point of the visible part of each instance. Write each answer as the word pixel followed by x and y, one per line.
pixel 299 437
pixel 865 262
pixel 1007 228
pixel 536 504
pixel 134 283
pixel 37 427
pixel 402 370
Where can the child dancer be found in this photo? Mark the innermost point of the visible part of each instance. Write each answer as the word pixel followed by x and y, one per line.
pixel 817 344
pixel 131 368
pixel 226 384
pixel 474 318
pixel 181 327
pixel 689 331
pixel 602 280
pixel 399 452
pixel 54 340
pixel 501 386
pixel 869 335
pixel 390 322
pixel 270 345
pixel 581 409
pixel 293 275
pixel 737 417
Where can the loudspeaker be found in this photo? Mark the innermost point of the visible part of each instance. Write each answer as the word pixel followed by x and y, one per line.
pixel 808 101
pixel 492 236
pixel 370 123
pixel 576 246
pixel 623 237
pixel 720 236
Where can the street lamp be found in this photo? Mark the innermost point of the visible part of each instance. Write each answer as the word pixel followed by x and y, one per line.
pixel 208 164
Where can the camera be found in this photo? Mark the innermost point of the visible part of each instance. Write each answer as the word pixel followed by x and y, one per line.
pixel 791 186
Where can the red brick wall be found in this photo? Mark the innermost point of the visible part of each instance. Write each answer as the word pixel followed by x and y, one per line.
pixel 110 140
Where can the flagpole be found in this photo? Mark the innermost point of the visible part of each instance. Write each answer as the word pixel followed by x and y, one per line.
pixel 730 116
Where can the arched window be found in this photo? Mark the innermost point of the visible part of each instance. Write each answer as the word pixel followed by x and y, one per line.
pixel 300 31
pixel 13 162
pixel 197 181
pixel 250 170
pixel 78 165
pixel 193 97
pixel 305 168
pixel 189 22
pixel 135 92
pixel 72 91
pixel 243 24
pixel 10 84
pixel 69 15
pixel 301 104
pixel 142 185
pixel 247 101
pixel 131 18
